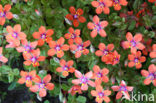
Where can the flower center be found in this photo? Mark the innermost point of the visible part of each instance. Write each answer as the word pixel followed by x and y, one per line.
pixel 101 94
pixel 33 59
pixel 102 4
pixel 98 27
pixel 123 88
pixel 28 78
pixel 73 36
pixel 14 34
pixel 27 48
pixel 152 76
pixel 65 68
pixel 80 47
pixel 116 1
pixel 105 52
pixel 75 16
pixel 58 48
pixel 2 14
pixel 42 85
pixel 136 60
pixel 99 75
pixel 133 43
pixel 84 80
pixel 43 36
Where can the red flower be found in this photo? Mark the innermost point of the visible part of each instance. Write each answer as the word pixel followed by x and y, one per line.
pixel 97 27
pixel 102 5
pixel 113 58
pixel 122 90
pixel 75 16
pixel 33 58
pixel 84 80
pixel 5 13
pixel 72 35
pixel 75 89
pixel 117 4
pixel 27 78
pixel 150 75
pixel 80 47
pixel 101 94
pixel 148 46
pixel 57 47
pixel 2 58
pixel 152 1
pixel 133 42
pixel 153 52
pixel 42 85
pixel 66 67
pixel 100 75
pixel 104 51
pixel 136 60
pixel 26 47
pixel 43 35
pixel 15 35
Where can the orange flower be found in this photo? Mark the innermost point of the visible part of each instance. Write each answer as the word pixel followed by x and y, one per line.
pixel 122 90
pixel 80 47
pixel 104 51
pixel 101 94
pixel 136 60
pixel 15 35
pixel 150 75
pixel 100 75
pixel 75 16
pixel 153 52
pixel 102 5
pixel 33 58
pixel 26 47
pixel 2 58
pixel 152 1
pixel 133 42
pixel 75 89
pixel 27 78
pixel 43 35
pixel 57 47
pixel 113 58
pixel 117 4
pixel 42 85
pixel 97 27
pixel 72 35
pixel 5 13
pixel 66 67
pixel 12 43
pixel 84 80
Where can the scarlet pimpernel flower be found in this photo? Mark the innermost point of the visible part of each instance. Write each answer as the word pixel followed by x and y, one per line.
pixel 66 67
pixel 84 80
pixel 33 58
pixel 150 75
pixel 102 6
pixel 133 42
pixel 80 48
pixel 101 94
pixel 43 35
pixel 42 86
pixel 117 4
pixel 72 35
pixel 152 1
pixel 75 16
pixel 148 46
pixel 136 60
pixel 57 47
pixel 2 58
pixel 113 58
pixel 153 52
pixel 5 13
pixel 122 90
pixel 27 78
pixel 97 27
pixel 75 89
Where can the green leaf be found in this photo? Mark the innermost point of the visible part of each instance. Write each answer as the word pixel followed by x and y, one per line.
pixel 16 71
pixel 132 25
pixel 5 69
pixel 10 77
pixel 65 87
pixel 12 86
pixel 81 99
pixel 46 101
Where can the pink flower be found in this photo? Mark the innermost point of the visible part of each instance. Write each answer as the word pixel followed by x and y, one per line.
pixel 2 58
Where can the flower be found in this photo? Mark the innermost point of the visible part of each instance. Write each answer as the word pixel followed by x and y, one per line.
pixel 75 16
pixel 133 42
pixel 43 35
pixel 100 75
pixel 148 46
pixel 101 94
pixel 15 35
pixel 84 80
pixel 152 1
pixel 72 35
pixel 12 43
pixel 42 85
pixel 102 5
pixel 33 58
pixel 150 75
pixel 27 78
pixel 57 47
pixel 66 67
pixel 75 89
pixel 2 58
pixel 136 60
pixel 104 51
pixel 26 47
pixel 97 26
pixel 117 4
pixel 80 47
pixel 113 58
pixel 153 52
pixel 5 13
pixel 122 90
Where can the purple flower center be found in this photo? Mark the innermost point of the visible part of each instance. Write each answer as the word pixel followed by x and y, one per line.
pixel 65 68
pixel 84 80
pixel 27 48
pixel 73 36
pixel 28 78
pixel 152 76
pixel 133 43
pixel 43 36
pixel 102 4
pixel 123 88
pixel 116 1
pixel 101 94
pixel 80 47
pixel 2 14
pixel 33 59
pixel 105 51
pixel 15 34
pixel 99 75
pixel 42 85
pixel 98 27
pixel 57 48
pixel 136 60
pixel 75 16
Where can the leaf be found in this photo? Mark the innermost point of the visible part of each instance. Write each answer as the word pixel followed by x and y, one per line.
pixel 46 101
pixel 132 25
pixel 65 87
pixel 81 99
pixel 5 69
pixel 16 71
pixel 10 77
pixel 12 86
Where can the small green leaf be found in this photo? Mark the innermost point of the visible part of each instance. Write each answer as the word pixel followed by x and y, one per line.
pixel 12 86
pixel 81 99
